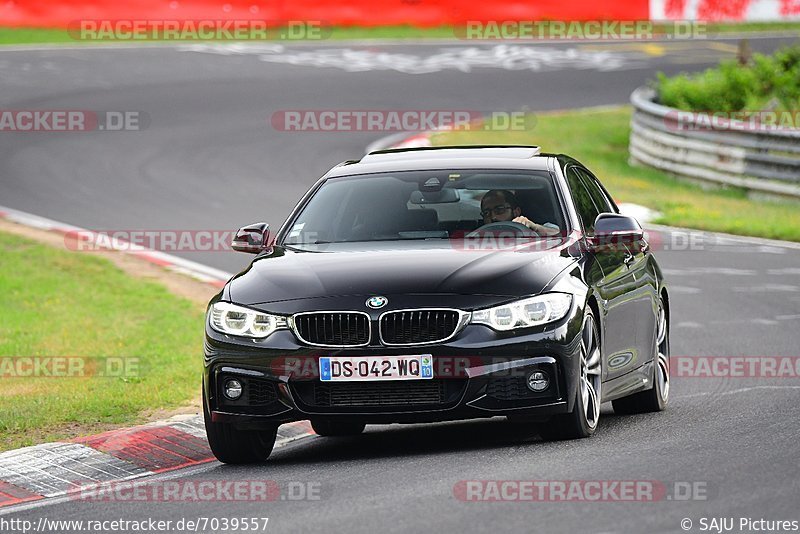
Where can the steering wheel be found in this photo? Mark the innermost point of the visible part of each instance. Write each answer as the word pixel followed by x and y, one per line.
pixel 503 226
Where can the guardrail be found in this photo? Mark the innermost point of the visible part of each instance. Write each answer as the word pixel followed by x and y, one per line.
pixel 759 159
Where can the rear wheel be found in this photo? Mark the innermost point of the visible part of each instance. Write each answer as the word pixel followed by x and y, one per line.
pixel 233 446
pixel 582 421
pixel 654 399
pixel 326 427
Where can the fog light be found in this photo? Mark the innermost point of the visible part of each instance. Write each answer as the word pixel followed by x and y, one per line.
pixel 233 389
pixel 538 381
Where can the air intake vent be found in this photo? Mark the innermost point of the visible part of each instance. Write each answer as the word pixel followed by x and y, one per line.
pixel 421 392
pixel 260 392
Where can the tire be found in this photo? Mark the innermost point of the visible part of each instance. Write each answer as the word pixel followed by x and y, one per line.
pixel 656 398
pixel 328 428
pixel 582 421
pixel 233 446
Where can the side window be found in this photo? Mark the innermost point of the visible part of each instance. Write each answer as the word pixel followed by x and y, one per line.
pixel 587 211
pixel 599 196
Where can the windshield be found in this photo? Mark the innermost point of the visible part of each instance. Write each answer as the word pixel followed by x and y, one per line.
pixel 437 204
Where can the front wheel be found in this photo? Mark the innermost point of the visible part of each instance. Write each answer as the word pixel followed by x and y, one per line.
pixel 654 399
pixel 582 421
pixel 234 446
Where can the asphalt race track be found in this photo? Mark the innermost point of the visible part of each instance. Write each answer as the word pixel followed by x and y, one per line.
pixel 209 159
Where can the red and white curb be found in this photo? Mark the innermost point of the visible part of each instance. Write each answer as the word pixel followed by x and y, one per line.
pixel 204 273
pixel 63 468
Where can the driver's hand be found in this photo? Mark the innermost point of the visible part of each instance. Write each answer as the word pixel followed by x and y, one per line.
pixel 527 222
pixel 538 228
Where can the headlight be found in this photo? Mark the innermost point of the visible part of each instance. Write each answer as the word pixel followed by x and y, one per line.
pixel 523 313
pixel 239 321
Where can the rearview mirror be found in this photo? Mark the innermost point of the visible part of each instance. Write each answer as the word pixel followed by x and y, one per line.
pixel 252 238
pixel 615 228
pixel 445 196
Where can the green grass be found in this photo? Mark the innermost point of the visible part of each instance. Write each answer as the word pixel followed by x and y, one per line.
pixel 599 139
pixel 734 27
pixel 60 303
pixel 15 36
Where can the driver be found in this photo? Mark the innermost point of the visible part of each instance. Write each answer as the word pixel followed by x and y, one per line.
pixel 499 205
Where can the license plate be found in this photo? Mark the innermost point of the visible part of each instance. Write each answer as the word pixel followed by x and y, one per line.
pixel 347 369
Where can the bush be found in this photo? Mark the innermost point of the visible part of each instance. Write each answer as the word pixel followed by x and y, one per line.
pixel 764 83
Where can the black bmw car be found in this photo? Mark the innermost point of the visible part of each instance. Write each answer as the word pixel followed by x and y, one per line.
pixel 434 284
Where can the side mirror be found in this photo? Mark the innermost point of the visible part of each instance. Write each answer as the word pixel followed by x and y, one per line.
pixel 612 228
pixel 252 238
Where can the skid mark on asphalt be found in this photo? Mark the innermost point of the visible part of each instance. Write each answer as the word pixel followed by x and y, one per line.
pixel 685 290
pixel 757 320
pixel 722 271
pixel 650 49
pixel 789 271
pixel 677 52
pixel 735 391
pixel 739 248
pixel 767 288
pixel 764 322
pixel 459 58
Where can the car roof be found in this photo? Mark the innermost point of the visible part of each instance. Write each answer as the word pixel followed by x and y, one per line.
pixel 446 157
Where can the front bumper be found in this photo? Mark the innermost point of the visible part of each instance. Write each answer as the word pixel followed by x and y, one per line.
pixel 479 373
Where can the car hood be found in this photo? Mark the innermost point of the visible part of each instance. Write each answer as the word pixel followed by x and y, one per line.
pixel 414 268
